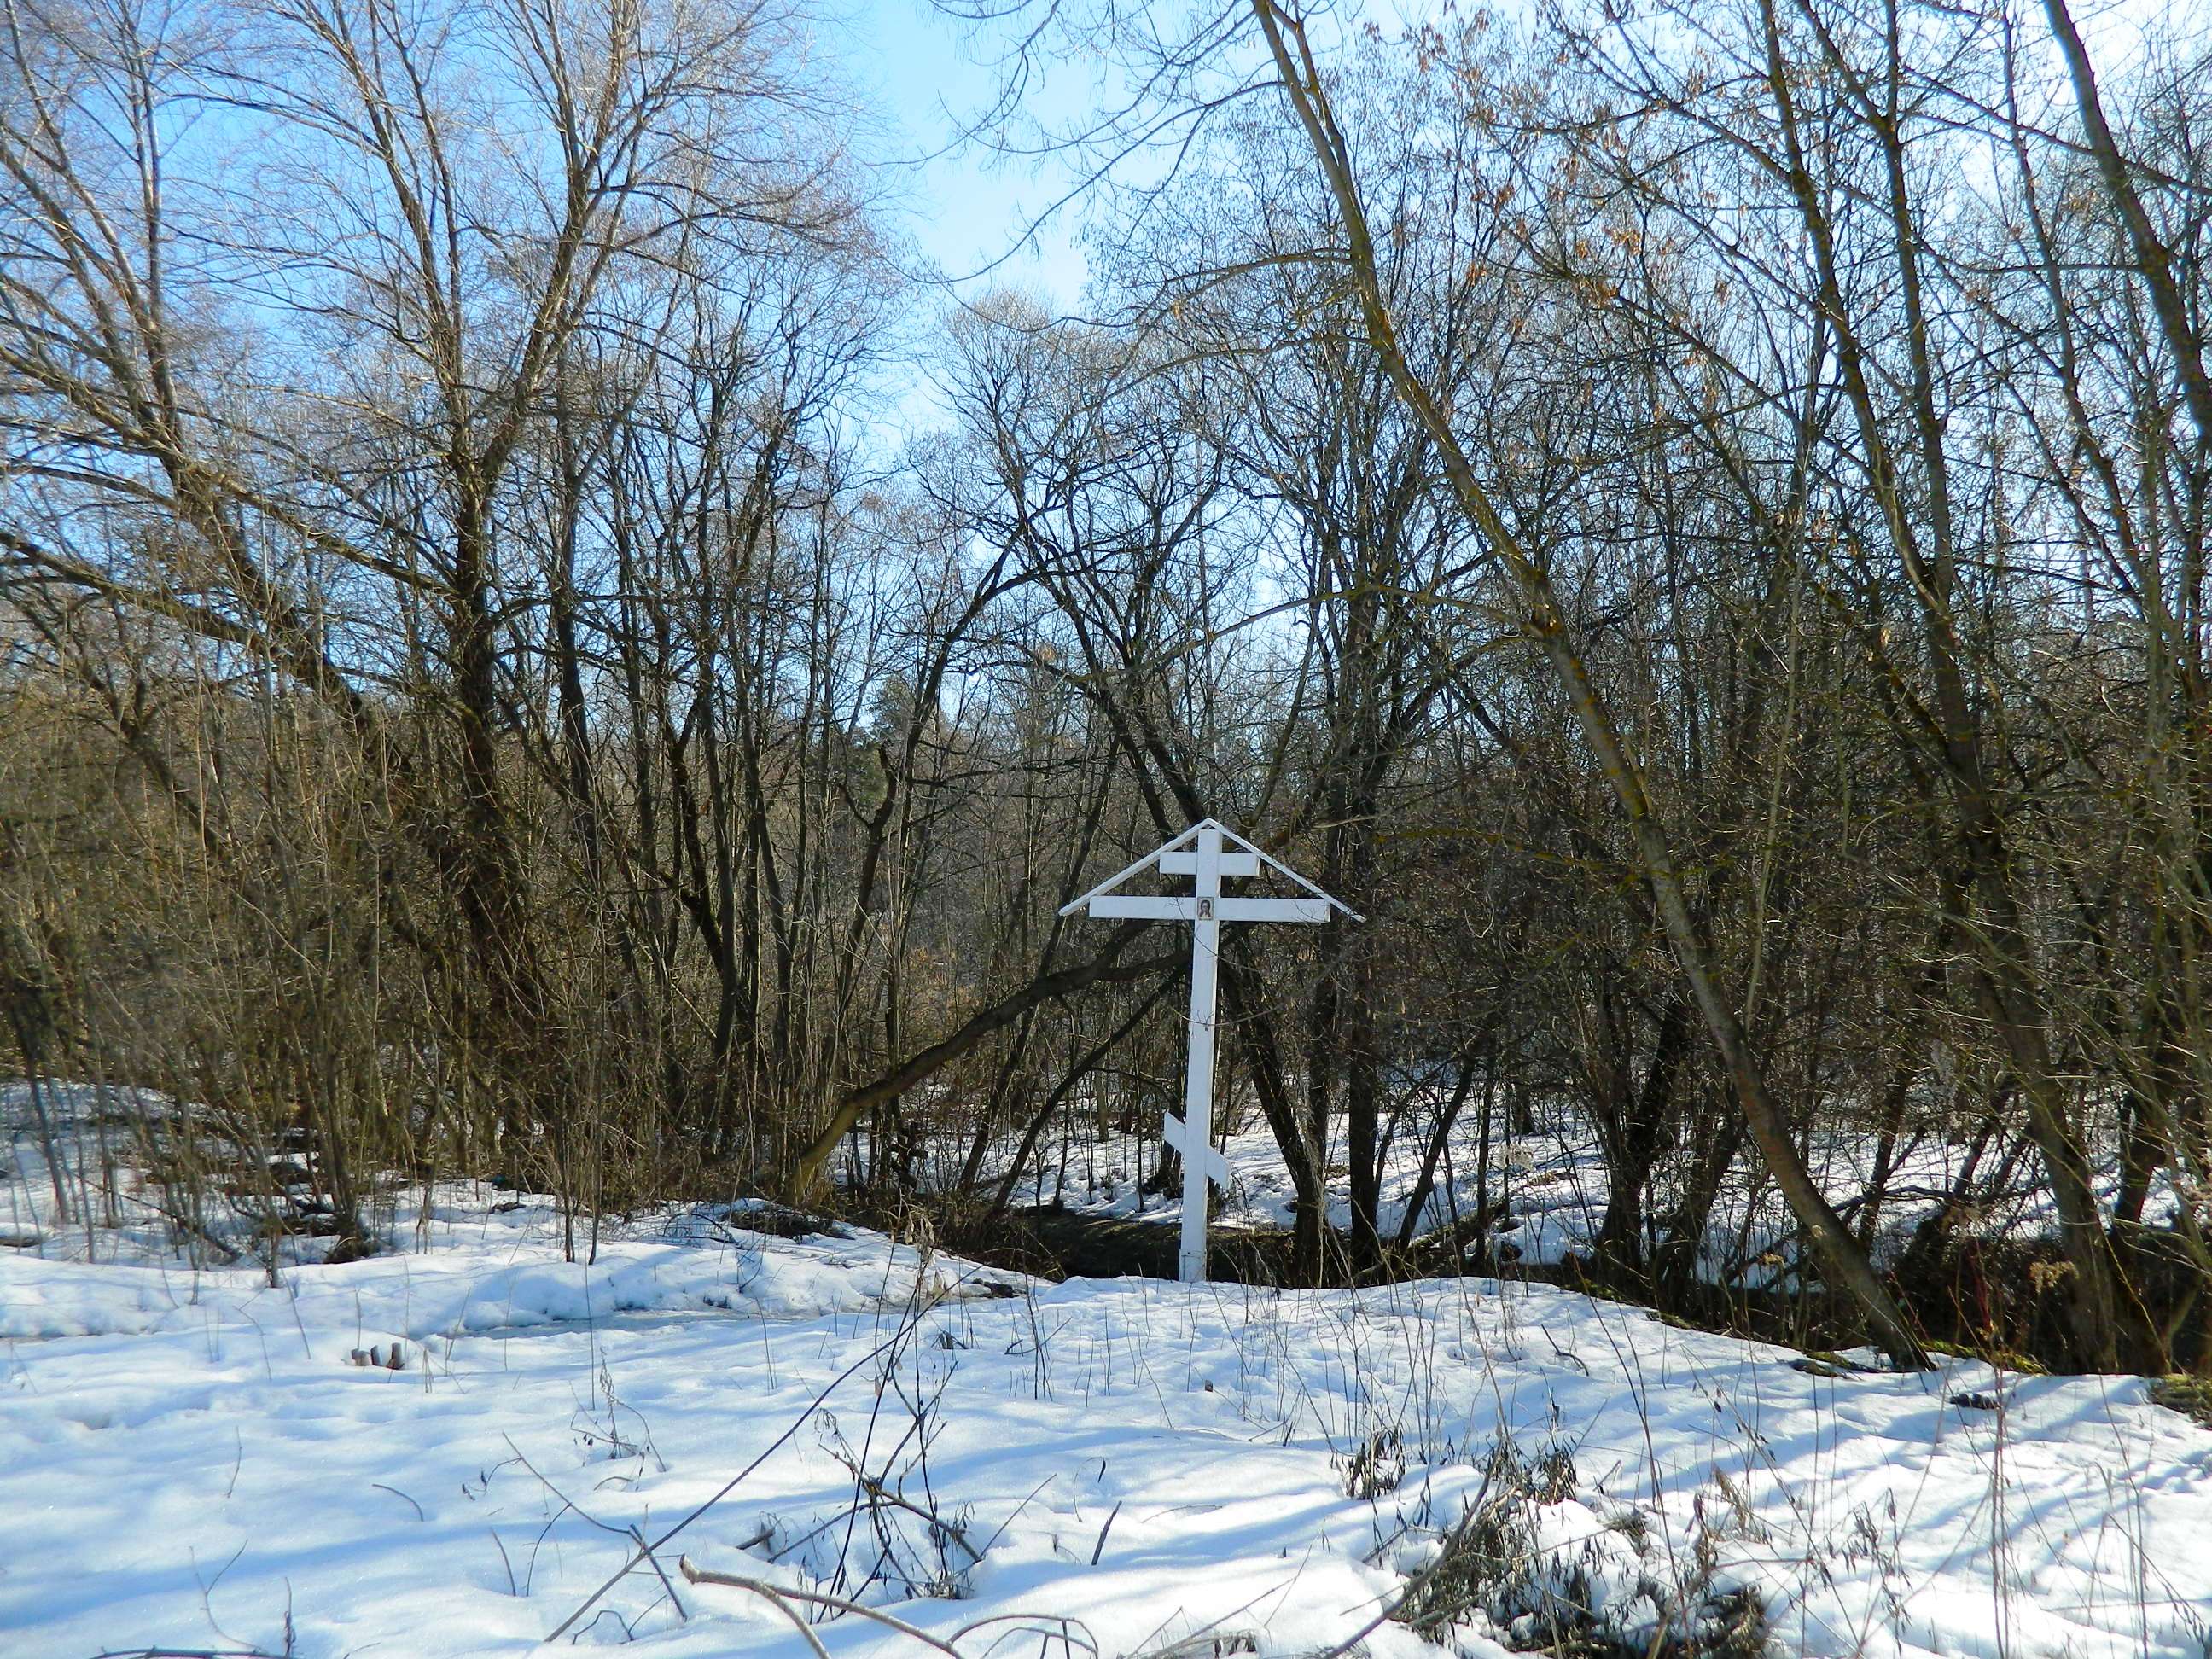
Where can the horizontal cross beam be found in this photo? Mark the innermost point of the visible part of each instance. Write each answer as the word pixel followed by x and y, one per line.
pixel 1232 864
pixel 1167 909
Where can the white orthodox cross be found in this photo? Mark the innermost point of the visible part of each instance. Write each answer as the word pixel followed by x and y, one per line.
pixel 1198 852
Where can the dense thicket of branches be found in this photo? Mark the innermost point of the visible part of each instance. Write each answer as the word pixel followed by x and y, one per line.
pixel 1694 522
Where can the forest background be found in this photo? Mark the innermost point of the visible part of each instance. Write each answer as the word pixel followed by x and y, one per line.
pixel 538 638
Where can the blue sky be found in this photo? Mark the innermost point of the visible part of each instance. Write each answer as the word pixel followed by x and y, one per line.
pixel 918 76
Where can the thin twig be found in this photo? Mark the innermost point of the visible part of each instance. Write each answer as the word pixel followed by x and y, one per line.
pixel 512 1587
pixel 768 1592
pixel 663 1572
pixel 876 1489
pixel 1099 1548
pixel 629 1566
pixel 698 1575
pixel 396 1492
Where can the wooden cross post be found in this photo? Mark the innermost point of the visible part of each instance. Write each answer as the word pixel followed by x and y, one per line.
pixel 1200 854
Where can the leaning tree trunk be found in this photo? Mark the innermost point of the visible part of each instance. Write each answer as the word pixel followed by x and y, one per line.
pixel 1843 1263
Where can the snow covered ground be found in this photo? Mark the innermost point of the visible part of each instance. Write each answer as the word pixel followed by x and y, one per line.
pixel 197 1460
pixel 194 1458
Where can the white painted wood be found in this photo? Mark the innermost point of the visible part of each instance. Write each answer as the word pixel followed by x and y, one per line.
pixel 1232 864
pixel 1116 880
pixel 1173 1131
pixel 1198 1078
pixel 1198 853
pixel 1145 905
pixel 1271 909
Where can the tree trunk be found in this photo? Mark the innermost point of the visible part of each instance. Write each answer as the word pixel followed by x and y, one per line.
pixel 1842 1262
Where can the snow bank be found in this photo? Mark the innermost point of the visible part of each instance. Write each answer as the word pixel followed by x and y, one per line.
pixel 505 1279
pixel 196 1460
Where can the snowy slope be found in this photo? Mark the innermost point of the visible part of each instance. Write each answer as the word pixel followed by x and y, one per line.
pixel 193 1460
